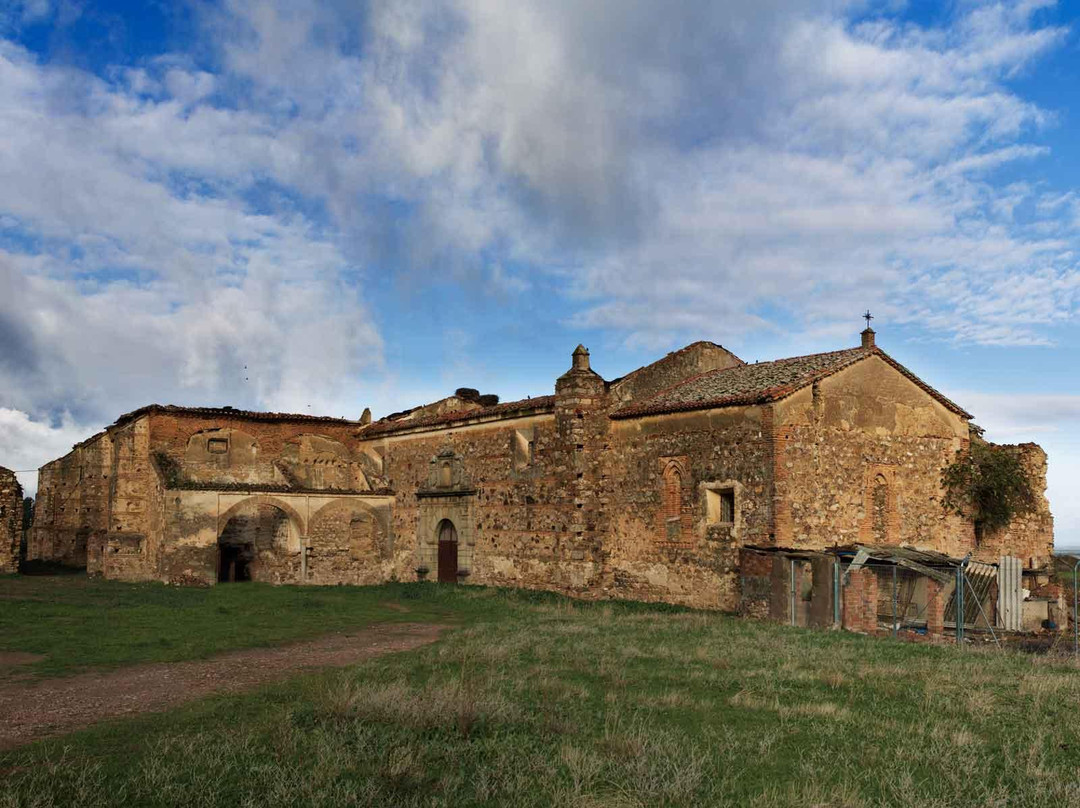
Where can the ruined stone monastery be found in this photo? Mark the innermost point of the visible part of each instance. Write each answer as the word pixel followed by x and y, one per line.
pixel 653 486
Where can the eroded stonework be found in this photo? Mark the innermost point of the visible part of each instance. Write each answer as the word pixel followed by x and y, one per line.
pixel 648 487
pixel 11 517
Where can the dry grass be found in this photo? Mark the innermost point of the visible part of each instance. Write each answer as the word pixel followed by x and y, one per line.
pixel 538 701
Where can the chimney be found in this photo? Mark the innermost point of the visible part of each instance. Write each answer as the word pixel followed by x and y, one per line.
pixel 868 338
pixel 580 358
pixel 365 419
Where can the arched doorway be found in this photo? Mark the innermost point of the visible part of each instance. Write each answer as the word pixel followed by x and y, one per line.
pixel 251 544
pixel 448 552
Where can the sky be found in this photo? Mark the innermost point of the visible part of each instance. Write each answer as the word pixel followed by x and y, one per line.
pixel 319 208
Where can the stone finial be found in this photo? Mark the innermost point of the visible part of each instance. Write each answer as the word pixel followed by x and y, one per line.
pixel 868 338
pixel 580 358
pixel 365 419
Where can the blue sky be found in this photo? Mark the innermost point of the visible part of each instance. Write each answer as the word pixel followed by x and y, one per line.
pixel 371 204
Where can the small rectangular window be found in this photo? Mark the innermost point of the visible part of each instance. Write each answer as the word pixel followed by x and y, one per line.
pixel 720 506
pixel 217 446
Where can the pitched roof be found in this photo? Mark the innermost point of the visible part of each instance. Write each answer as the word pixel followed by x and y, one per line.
pixel 763 382
pixel 701 343
pixel 507 409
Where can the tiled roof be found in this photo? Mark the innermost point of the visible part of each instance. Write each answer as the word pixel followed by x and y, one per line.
pixel 506 409
pixel 229 412
pixel 762 382
pixel 701 343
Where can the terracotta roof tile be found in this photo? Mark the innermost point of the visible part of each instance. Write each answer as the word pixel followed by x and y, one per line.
pixel 229 412
pixel 762 382
pixel 507 408
pixel 701 343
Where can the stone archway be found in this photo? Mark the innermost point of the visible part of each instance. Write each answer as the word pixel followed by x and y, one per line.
pixel 448 552
pixel 258 542
pixel 348 544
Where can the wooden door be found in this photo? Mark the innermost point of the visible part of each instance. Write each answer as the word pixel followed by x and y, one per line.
pixel 448 546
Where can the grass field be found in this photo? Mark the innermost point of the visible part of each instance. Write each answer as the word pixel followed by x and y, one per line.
pixel 77 622
pixel 539 701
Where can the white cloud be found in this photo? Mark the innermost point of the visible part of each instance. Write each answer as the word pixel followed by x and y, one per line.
pixel 27 444
pixel 152 277
pixel 746 153
pixel 688 169
pixel 1052 421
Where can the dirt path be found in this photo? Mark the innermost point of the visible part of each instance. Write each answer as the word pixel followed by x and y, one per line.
pixel 29 711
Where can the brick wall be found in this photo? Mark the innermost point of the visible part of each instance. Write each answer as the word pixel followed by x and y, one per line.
pixel 860 604
pixel 755 583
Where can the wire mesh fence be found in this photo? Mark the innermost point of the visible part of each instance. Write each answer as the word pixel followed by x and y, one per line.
pixel 917 596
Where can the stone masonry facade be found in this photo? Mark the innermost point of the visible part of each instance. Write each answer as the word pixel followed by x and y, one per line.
pixel 11 518
pixel 646 487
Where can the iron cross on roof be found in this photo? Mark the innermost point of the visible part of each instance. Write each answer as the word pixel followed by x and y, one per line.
pixel 868 317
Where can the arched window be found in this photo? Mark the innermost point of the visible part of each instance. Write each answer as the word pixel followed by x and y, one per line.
pixel 672 502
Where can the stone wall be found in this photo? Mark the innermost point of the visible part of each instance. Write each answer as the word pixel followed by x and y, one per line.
pixel 1029 536
pixel 349 544
pixel 755 583
pixel 550 493
pixel 690 557
pixel 11 519
pixel 508 511
pixel 298 538
pixel 125 504
pixel 859 458
pixel 73 503
pixel 221 451
pixel 695 359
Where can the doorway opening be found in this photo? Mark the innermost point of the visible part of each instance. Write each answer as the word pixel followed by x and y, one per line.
pixel 234 564
pixel 256 544
pixel 448 552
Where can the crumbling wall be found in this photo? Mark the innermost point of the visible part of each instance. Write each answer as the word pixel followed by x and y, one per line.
pixel 700 357
pixel 755 583
pixel 1029 536
pixel 859 458
pixel 72 509
pixel 280 538
pixel 690 556
pixel 126 550
pixel 509 510
pixel 195 450
pixel 349 545
pixel 11 520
